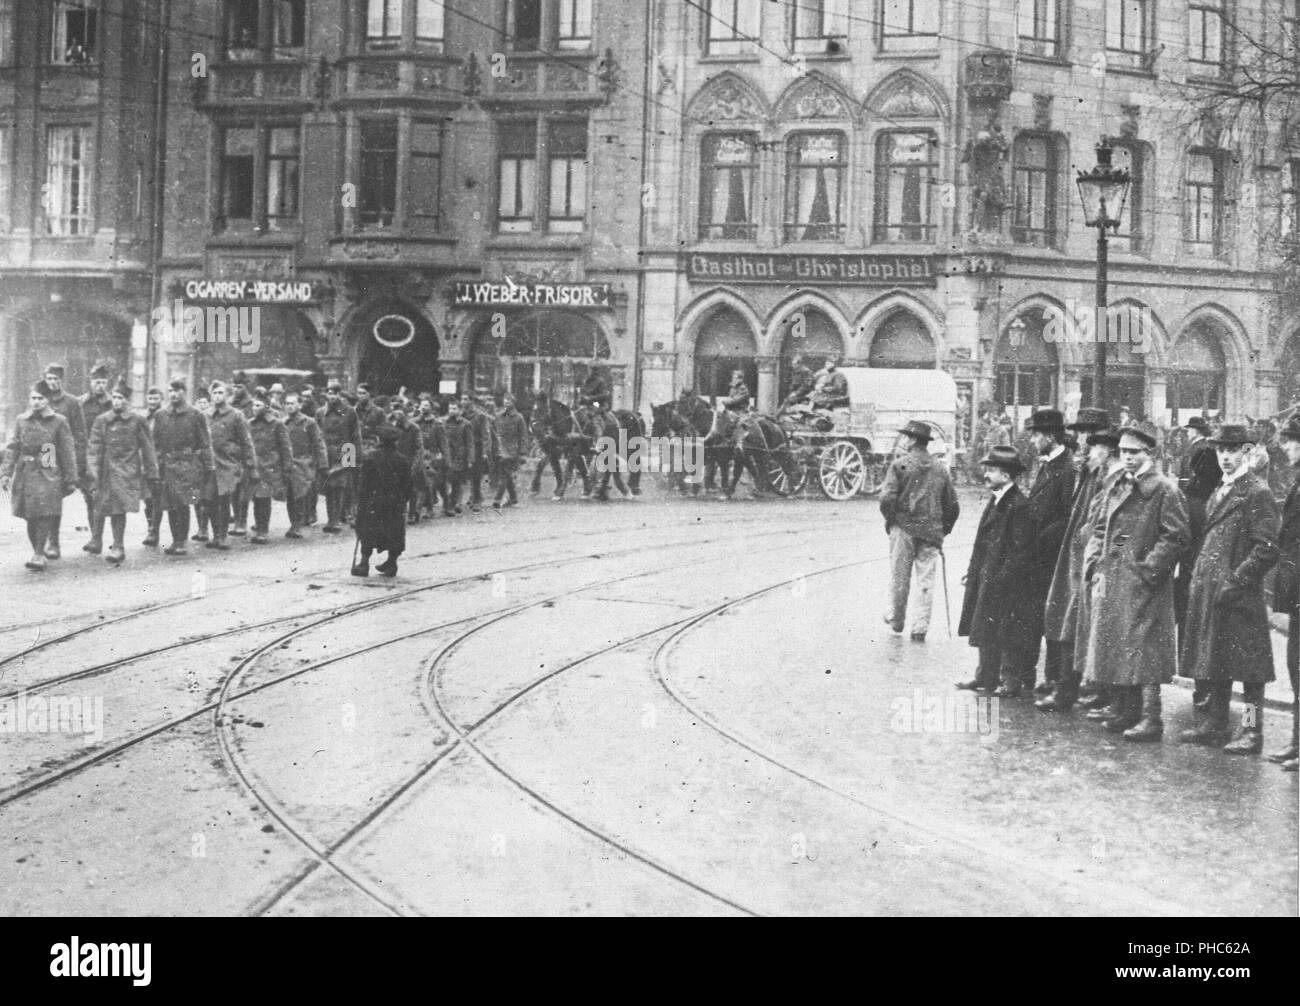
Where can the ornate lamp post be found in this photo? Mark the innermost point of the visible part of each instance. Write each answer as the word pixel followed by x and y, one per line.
pixel 1103 191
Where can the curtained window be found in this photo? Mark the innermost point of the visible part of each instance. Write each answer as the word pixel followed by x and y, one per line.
pixel 727 173
pixel 814 200
pixel 906 164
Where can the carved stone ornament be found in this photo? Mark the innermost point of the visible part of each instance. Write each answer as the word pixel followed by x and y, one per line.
pixel 275 267
pixel 727 99
pixel 1129 127
pixel 1043 112
pixel 812 98
pixel 905 99
pixel 984 155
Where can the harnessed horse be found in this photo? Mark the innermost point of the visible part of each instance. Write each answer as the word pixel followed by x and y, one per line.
pixel 609 424
pixel 757 442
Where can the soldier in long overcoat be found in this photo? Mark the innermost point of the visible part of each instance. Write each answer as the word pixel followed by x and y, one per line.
pixel 39 469
pixel 239 398
pixel 429 472
pixel 234 462
pixel 184 448
pixel 1286 584
pixel 1139 533
pixel 70 409
pixel 458 451
pixel 512 442
pixel 310 461
pixel 93 405
pixel 997 612
pixel 1050 497
pixel 1061 612
pixel 122 466
pixel 382 491
pixel 1198 476
pixel 153 501
pixel 274 456
pixel 1225 635
pixel 338 426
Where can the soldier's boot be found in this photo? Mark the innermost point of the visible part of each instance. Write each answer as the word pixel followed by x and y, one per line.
pixel 1249 738
pixel 1210 728
pixel 1106 712
pixel 96 543
pixel 1130 711
pixel 1151 727
pixel 1289 753
pixel 362 566
pixel 51 549
pixel 151 535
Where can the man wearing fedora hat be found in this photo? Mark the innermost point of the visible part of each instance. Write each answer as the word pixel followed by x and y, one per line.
pixel 1050 498
pixel 997 612
pixel 1225 634
pixel 1139 531
pixel 1286 584
pixel 1198 476
pixel 1060 615
pixel 121 464
pixel 920 508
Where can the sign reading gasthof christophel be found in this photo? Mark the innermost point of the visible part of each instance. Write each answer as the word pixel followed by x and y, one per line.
pixel 809 270
pixel 252 291
pixel 509 294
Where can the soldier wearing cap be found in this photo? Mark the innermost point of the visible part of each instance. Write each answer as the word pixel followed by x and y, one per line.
pixel 483 448
pixel 1286 584
pixel 382 491
pixel 240 399
pixel 737 397
pixel 153 400
pixel 122 464
pixel 801 383
pixel 39 469
pixel 70 409
pixel 1225 634
pixel 512 446
pixel 1139 532
pixel 274 453
pixel 997 612
pixel 93 405
pixel 1050 498
pixel 920 508
pixel 310 462
pixel 234 462
pixel 429 479
pixel 1061 612
pixel 458 450
pixel 1198 476
pixel 338 426
pixel 184 449
pixel 831 387
pixel 307 406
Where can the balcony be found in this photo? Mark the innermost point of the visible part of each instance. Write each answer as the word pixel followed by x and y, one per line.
pixel 401 80
pixel 528 81
pixel 277 85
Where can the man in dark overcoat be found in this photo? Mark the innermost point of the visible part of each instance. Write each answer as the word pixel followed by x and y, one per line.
pixel 1061 612
pixel 382 491
pixel 153 503
pixel 480 416
pixel 93 405
pixel 458 449
pixel 274 453
pixel 70 409
pixel 39 469
pixel 1139 532
pixel 1050 498
pixel 121 463
pixel 512 446
pixel 310 462
pixel 234 462
pixel 1286 583
pixel 184 448
pixel 1225 634
pixel 338 427
pixel 1198 476
pixel 429 479
pixel 998 610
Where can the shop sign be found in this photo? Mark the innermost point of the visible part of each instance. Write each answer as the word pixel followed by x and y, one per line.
pixel 511 294
pixel 809 270
pixel 252 291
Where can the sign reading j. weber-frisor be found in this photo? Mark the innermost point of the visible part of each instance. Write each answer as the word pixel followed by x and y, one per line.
pixel 855 270
pixel 509 294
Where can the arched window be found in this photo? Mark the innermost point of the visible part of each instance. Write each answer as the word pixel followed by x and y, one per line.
pixel 548 351
pixel 907 162
pixel 902 340
pixel 814 187
pixel 1196 372
pixel 725 343
pixel 811 335
pixel 1025 365
pixel 728 166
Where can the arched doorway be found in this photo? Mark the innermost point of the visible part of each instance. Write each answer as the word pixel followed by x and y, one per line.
pixel 1025 367
pixel 902 341
pixel 284 351
pixel 549 351
pixel 71 336
pixel 1126 380
pixel 410 363
pixel 812 335
pixel 1197 373
pixel 725 343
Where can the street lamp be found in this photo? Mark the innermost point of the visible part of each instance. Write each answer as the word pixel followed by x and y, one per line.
pixel 1103 191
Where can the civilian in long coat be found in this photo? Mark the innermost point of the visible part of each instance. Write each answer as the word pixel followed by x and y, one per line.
pixel 1286 585
pixel 997 612
pixel 184 447
pixel 338 426
pixel 382 492
pixel 1225 635
pixel 1138 536
pixel 274 456
pixel 310 461
pixel 234 460
pixel 1050 497
pixel 122 466
pixel 39 469
pixel 70 409
pixel 1061 613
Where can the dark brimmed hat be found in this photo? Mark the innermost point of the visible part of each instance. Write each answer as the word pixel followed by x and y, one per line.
pixel 100 371
pixel 1090 419
pixel 1140 431
pixel 121 388
pixel 916 428
pixel 389 434
pixel 42 389
pixel 1291 430
pixel 55 370
pixel 1198 423
pixel 239 377
pixel 1007 458
pixel 177 384
pixel 1233 435
pixel 216 384
pixel 1046 421
pixel 1107 435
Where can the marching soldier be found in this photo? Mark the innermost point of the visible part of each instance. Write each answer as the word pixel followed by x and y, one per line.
pixel 429 486
pixel 184 449
pixel 382 492
pixel 410 445
pixel 70 409
pixel 483 447
pixel 1226 631
pixel 308 403
pixel 338 428
pixel 458 451
pixel 310 461
pixel 1050 497
pixel 39 469
pixel 1139 533
pixel 153 399
pixel 274 454
pixel 240 400
pixel 920 508
pixel 234 463
pixel 122 465
pixel 1286 585
pixel 595 388
pixel 997 609
pixel 93 405
pixel 512 446
pixel 1060 616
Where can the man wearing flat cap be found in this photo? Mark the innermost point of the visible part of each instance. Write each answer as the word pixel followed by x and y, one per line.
pixel 1139 532
pixel 1225 634
pixel 999 612
pixel 122 464
pixel 1050 498
pixel 920 507
pixel 70 409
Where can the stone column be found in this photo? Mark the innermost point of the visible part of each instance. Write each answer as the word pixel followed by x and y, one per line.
pixel 767 377
pixel 1157 406
pixel 1267 389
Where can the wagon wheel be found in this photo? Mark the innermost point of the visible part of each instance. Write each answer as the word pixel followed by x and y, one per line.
pixel 781 482
pixel 843 471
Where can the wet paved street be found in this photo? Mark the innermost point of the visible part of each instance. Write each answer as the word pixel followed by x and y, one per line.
pixel 655 707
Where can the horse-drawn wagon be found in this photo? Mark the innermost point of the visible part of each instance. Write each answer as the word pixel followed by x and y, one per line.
pixel 848 451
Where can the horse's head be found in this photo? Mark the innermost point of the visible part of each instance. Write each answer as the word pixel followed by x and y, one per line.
pixel 663 422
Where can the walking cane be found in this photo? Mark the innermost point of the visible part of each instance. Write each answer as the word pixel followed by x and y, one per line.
pixel 947 608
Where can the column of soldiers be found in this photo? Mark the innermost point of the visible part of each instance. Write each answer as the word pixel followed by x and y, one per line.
pixel 1130 576
pixel 238 449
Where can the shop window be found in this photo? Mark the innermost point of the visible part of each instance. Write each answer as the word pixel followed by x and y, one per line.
pixel 725 344
pixel 814 202
pixel 902 341
pixel 1196 373
pixel 1026 366
pixel 813 337
pixel 549 351
pixel 907 163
